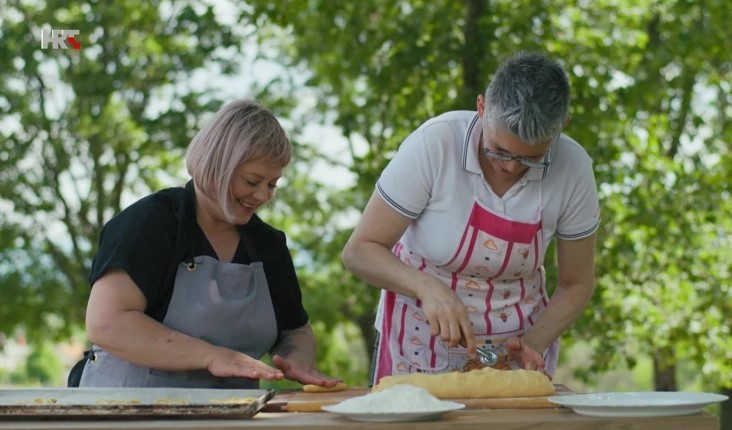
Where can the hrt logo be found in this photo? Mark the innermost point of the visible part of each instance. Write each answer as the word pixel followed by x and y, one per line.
pixel 58 39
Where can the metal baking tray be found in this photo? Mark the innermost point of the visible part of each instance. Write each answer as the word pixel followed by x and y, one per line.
pixel 131 402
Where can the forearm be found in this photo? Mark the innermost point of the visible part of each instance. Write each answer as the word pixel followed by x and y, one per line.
pixel 576 282
pixel 564 308
pixel 297 345
pixel 139 339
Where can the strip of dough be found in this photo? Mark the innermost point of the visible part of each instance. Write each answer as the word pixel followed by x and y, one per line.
pixel 483 383
pixel 312 388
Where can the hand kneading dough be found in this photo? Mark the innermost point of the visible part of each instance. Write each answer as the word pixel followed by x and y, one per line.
pixel 483 383
pixel 312 388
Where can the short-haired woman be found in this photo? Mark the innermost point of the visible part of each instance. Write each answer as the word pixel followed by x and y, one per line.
pixel 190 288
pixel 457 229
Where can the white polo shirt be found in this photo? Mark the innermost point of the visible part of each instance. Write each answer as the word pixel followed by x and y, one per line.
pixel 435 177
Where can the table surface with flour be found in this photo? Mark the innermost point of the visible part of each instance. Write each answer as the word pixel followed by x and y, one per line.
pixel 504 419
pixel 393 407
pixel 399 407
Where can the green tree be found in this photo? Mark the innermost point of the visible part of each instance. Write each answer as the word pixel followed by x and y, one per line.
pixel 43 366
pixel 651 98
pixel 87 130
pixel 90 130
pixel 651 92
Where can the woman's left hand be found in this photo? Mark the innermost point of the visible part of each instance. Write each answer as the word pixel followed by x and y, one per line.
pixel 295 372
pixel 525 355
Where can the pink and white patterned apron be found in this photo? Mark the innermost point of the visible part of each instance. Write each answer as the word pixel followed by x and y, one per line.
pixel 496 270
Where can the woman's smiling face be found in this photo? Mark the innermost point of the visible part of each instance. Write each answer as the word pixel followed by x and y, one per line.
pixel 252 185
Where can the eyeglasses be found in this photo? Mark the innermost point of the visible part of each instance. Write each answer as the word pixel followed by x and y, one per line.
pixel 546 158
pixel 521 160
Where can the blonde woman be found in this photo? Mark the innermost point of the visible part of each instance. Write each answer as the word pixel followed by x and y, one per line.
pixel 190 288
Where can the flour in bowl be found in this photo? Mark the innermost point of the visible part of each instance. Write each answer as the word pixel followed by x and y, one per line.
pixel 401 398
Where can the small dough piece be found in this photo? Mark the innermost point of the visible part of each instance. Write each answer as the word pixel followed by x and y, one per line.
pixel 312 388
pixel 476 384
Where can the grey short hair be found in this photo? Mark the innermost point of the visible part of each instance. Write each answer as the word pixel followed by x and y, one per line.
pixel 241 131
pixel 529 98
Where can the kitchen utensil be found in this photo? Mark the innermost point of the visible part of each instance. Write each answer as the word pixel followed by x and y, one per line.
pixel 487 358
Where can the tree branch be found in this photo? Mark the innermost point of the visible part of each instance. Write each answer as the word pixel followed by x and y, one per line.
pixel 688 79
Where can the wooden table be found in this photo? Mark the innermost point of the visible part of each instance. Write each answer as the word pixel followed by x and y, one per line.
pixel 504 419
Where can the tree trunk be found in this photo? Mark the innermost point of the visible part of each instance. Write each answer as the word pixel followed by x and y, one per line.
pixel 474 83
pixel 725 410
pixel 664 371
pixel 366 324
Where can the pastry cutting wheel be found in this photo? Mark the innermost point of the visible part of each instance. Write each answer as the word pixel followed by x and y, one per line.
pixel 487 358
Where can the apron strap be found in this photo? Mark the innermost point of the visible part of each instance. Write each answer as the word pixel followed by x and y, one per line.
pixel 186 203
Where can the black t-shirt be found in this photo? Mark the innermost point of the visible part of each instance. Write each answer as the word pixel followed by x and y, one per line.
pixel 151 237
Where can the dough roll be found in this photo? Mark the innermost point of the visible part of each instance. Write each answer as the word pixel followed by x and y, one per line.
pixel 312 388
pixel 483 383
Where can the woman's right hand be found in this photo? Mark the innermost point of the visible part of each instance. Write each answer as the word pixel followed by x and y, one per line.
pixel 447 315
pixel 368 255
pixel 225 363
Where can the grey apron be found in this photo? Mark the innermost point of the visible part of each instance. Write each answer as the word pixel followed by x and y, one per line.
pixel 225 304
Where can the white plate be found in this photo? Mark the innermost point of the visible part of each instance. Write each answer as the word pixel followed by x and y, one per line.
pixel 395 416
pixel 638 404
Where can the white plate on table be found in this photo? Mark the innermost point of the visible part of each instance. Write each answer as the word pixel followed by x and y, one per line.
pixel 386 417
pixel 638 404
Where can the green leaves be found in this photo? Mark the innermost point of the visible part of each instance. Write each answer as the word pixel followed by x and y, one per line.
pixel 650 101
pixel 651 93
pixel 90 131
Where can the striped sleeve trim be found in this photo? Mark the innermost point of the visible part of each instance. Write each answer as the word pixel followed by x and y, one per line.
pixel 394 204
pixel 579 235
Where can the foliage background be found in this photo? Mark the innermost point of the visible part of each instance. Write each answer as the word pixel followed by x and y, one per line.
pixel 83 133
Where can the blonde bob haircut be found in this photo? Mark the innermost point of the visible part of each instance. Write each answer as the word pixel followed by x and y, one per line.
pixel 241 131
